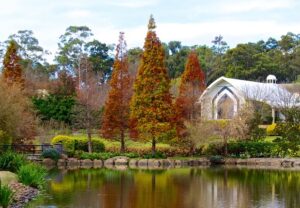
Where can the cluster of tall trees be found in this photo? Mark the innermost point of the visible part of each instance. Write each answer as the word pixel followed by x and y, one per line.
pixel 149 93
pixel 150 113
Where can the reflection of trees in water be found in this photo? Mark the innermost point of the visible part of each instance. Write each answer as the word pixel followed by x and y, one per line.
pixel 176 188
pixel 247 187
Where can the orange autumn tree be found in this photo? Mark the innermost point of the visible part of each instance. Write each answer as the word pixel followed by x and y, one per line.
pixel 151 105
pixel 116 115
pixel 12 70
pixel 191 87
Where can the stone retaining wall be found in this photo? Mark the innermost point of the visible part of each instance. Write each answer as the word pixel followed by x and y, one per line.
pixel 121 162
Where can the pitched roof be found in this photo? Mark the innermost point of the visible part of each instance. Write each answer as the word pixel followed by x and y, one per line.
pixel 273 94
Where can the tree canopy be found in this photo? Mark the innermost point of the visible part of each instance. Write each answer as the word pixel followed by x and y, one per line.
pixel 151 104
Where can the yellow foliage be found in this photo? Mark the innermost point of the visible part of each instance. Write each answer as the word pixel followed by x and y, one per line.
pixel 60 139
pixel 271 129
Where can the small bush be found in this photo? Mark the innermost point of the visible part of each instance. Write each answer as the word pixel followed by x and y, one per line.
pixel 216 159
pixel 51 153
pixel 71 144
pixel 82 144
pixel 32 175
pixel 67 142
pixel 102 155
pixel 11 161
pixel 60 139
pixel 157 155
pixel 98 146
pixel 243 149
pixel 6 195
pixel 213 149
pixel 252 149
pixel 94 156
pixel 130 155
pixel 271 130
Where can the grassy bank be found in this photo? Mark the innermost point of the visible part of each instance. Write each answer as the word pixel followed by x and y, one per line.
pixel 28 173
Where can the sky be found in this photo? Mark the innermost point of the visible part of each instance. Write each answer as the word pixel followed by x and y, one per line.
pixel 193 22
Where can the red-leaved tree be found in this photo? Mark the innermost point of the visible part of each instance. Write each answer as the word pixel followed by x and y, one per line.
pixel 191 87
pixel 12 70
pixel 116 115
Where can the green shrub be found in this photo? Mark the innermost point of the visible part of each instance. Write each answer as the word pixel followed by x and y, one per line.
pixel 289 142
pixel 51 153
pixel 251 149
pixel 130 155
pixel 216 159
pixel 213 149
pixel 82 144
pixel 243 149
pixel 56 107
pixel 71 144
pixel 102 155
pixel 11 161
pixel 94 156
pixel 6 195
pixel 157 155
pixel 98 146
pixel 32 175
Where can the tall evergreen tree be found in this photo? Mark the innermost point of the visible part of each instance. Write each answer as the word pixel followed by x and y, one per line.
pixel 116 115
pixel 151 106
pixel 12 70
pixel 191 87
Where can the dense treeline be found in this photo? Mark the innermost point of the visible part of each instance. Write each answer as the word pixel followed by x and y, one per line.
pixel 141 84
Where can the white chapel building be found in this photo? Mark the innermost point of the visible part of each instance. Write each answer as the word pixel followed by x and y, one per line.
pixel 231 94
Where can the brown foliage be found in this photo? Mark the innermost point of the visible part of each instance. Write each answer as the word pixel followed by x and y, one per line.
pixel 12 70
pixel 151 104
pixel 116 115
pixel 64 85
pixel 16 118
pixel 191 87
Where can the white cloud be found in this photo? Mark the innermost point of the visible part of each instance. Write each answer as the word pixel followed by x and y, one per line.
pixel 132 3
pixel 78 13
pixel 191 24
pixel 203 33
pixel 241 6
pixel 234 32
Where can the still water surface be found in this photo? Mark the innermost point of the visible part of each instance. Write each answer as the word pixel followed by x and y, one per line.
pixel 215 187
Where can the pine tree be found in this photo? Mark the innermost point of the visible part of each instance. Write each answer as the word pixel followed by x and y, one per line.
pixel 151 105
pixel 191 87
pixel 116 115
pixel 12 70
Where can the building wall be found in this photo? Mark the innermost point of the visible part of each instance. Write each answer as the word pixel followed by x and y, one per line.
pixel 211 100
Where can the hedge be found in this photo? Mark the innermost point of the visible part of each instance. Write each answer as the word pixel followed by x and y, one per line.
pixel 71 144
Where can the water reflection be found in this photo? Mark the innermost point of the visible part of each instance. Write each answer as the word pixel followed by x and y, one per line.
pixel 176 188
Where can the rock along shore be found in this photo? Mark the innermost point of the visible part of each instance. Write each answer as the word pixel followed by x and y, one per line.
pixel 125 162
pixel 22 194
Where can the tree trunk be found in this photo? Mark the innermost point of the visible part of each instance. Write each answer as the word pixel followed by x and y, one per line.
pixel 192 149
pixel 88 129
pixel 122 150
pixel 153 146
pixel 225 147
pixel 89 140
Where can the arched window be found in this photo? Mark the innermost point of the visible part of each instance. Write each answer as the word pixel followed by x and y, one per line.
pixel 225 107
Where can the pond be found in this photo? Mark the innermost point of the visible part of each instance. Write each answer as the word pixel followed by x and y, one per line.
pixel 213 187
